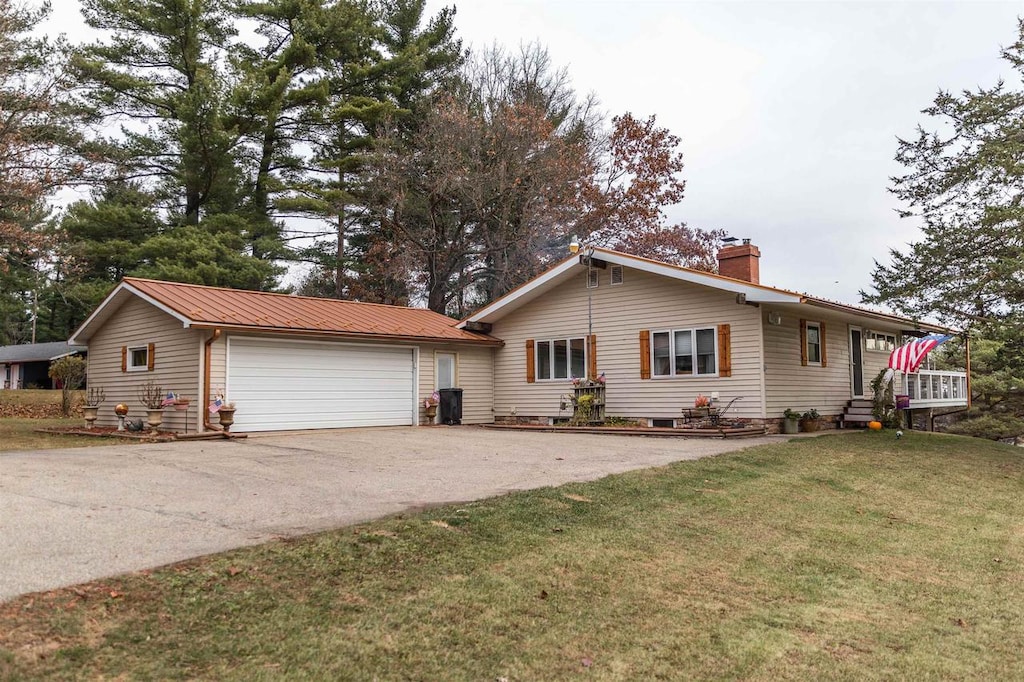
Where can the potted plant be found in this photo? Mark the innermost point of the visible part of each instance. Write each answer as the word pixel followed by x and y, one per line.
pixel 93 399
pixel 810 421
pixel 226 413
pixel 430 405
pixel 701 405
pixel 791 421
pixel 152 396
pixel 584 405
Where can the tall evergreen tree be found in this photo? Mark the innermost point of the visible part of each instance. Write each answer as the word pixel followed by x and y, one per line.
pixel 965 184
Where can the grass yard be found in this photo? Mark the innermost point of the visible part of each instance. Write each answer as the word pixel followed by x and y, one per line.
pixel 20 434
pixel 24 410
pixel 843 557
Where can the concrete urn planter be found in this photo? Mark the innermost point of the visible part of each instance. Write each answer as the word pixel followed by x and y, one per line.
pixel 155 418
pixel 227 417
pixel 790 426
pixel 90 412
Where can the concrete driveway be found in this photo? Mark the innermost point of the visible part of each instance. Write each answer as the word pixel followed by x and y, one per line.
pixel 69 516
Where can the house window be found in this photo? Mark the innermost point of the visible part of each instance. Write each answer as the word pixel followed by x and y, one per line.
pixel 138 359
pixel 561 358
pixel 813 343
pixel 879 341
pixel 615 277
pixel 684 352
pixel 593 278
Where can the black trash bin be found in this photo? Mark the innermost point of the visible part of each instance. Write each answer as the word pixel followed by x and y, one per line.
pixel 450 408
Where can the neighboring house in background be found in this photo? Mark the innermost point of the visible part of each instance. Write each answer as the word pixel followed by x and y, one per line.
pixel 27 365
pixel 287 362
pixel 661 335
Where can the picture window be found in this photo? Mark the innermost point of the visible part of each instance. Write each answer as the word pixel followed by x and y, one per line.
pixel 561 358
pixel 685 352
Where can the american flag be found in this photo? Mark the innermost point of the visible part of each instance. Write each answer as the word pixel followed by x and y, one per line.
pixel 169 400
pixel 908 357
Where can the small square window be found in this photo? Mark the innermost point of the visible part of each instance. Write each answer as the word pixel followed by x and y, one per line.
pixel 138 358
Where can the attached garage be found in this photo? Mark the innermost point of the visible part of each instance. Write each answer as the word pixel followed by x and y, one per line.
pixel 286 384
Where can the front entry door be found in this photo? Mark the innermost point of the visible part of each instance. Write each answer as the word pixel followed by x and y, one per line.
pixel 857 361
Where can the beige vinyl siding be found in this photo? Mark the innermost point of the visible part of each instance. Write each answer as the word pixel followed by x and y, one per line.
pixel 474 374
pixel 642 301
pixel 826 389
pixel 176 367
pixel 789 384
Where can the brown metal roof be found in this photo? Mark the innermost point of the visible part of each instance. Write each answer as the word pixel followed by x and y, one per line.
pixel 216 307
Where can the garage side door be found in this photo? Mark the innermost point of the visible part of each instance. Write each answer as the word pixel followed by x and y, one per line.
pixel 298 385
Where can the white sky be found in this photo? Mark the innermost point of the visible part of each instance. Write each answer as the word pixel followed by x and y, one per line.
pixel 788 112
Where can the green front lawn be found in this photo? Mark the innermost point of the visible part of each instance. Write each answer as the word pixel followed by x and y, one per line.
pixel 846 557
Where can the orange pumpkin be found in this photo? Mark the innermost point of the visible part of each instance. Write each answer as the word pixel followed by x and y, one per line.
pixel 875 426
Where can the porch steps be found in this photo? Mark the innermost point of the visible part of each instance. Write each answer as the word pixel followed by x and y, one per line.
pixel 858 411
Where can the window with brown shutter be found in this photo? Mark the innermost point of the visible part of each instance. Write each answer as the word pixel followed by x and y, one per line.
pixel 531 362
pixel 645 354
pixel 124 358
pixel 150 363
pixel 724 351
pixel 812 343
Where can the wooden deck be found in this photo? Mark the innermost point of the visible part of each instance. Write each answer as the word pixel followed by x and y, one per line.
pixel 650 432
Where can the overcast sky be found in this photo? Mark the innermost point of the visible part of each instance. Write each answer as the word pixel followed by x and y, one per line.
pixel 788 112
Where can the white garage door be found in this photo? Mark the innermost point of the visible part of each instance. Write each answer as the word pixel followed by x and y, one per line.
pixel 281 385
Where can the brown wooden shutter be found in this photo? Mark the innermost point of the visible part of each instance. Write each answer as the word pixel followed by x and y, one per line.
pixel 124 358
pixel 645 354
pixel 824 346
pixel 152 356
pixel 803 342
pixel 724 351
pixel 531 362
pixel 592 356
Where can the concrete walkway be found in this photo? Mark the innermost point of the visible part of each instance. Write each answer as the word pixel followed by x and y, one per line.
pixel 73 515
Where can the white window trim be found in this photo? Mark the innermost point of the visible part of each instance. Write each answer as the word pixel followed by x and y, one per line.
pixel 672 346
pixel 131 367
pixel 807 344
pixel 551 356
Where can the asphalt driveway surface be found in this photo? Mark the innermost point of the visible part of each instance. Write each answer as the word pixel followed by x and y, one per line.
pixel 73 515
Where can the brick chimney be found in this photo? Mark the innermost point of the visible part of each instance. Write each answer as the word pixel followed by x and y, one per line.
pixel 740 262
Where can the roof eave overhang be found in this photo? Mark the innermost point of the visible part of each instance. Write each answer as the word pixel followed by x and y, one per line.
pixel 904 322
pixel 113 301
pixel 352 336
pixel 752 293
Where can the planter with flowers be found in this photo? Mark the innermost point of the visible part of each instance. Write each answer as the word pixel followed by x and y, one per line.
pixel 588 397
pixel 430 405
